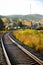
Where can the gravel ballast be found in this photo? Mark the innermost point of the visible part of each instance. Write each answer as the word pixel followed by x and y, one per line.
pixel 2 58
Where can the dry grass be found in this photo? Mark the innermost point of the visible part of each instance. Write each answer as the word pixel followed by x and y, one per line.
pixel 31 38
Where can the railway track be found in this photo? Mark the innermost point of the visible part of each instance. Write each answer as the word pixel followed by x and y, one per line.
pixel 14 54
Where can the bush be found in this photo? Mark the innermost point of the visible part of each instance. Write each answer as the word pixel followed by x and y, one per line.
pixel 31 38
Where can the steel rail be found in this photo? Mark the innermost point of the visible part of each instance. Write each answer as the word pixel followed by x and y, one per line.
pixel 5 53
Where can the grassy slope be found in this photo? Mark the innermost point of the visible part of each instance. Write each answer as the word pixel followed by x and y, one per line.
pixel 31 38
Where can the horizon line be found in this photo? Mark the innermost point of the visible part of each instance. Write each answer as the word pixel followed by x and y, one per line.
pixel 20 14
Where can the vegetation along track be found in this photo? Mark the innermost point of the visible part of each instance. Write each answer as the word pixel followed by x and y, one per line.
pixel 15 55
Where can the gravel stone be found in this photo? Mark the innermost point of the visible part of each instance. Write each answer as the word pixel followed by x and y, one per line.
pixel 2 58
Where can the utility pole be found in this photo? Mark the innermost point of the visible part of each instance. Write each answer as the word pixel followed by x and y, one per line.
pixel 30 8
pixel 30 14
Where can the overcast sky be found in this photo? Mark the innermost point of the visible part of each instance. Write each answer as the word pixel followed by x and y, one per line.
pixel 11 7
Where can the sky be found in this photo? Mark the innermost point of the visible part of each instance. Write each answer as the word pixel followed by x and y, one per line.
pixel 21 7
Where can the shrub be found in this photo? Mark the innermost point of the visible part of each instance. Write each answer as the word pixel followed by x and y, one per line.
pixel 31 38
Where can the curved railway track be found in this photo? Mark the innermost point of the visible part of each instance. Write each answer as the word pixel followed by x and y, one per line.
pixel 14 54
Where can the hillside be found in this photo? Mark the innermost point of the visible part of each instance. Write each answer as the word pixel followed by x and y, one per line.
pixel 35 17
pixel 4 20
pixel 2 16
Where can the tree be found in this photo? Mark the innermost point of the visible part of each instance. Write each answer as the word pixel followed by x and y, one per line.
pixel 19 22
pixel 1 24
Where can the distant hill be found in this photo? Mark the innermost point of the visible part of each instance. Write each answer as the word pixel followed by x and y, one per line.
pixel 35 17
pixel 2 16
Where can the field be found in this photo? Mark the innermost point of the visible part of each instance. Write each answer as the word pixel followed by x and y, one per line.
pixel 31 38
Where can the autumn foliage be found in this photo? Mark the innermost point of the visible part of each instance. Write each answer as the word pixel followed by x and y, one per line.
pixel 31 38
